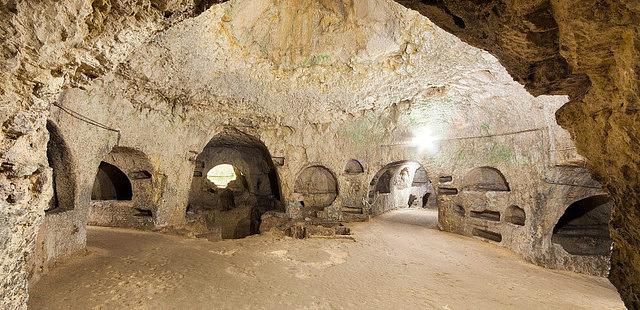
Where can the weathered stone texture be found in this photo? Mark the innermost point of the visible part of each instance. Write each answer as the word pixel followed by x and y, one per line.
pixel 48 46
pixel 320 83
pixel 571 47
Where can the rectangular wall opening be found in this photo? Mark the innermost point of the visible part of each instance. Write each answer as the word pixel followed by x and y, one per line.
pixel 488 215
pixel 485 234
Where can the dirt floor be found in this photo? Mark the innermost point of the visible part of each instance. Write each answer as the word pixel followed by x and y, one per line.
pixel 395 261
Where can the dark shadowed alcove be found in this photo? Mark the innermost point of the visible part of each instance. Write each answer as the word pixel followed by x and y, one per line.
pixel 583 229
pixel 59 159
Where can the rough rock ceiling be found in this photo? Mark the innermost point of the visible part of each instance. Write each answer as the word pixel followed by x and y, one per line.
pixel 523 35
pixel 321 61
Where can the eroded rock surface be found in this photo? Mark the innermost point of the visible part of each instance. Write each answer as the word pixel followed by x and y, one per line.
pixel 49 46
pixel 589 50
pixel 320 84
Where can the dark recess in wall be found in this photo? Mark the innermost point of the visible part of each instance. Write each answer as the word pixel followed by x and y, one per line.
pixel 486 215
pixel 485 234
pixel 447 191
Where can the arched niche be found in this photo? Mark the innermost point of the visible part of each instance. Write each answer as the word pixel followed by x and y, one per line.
pixel 486 179
pixel 583 229
pixel 353 167
pixel 318 185
pixel 420 177
pixel 253 186
pixel 111 184
pixel 515 215
pixel 126 190
pixel 400 185
pixel 60 160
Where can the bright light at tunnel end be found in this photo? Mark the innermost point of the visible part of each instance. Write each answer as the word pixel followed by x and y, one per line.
pixel 424 140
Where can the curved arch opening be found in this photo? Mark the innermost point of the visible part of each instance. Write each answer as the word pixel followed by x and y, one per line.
pixel 583 229
pixel 234 182
pixel 111 184
pixel 318 186
pixel 125 192
pixel 403 184
pixel 485 179
pixel 353 167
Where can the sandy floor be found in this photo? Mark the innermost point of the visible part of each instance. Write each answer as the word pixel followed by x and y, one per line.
pixel 395 262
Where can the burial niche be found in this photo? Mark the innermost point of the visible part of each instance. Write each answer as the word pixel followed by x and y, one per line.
pixel 515 215
pixel 400 184
pixel 111 184
pixel 318 187
pixel 124 191
pixel 234 182
pixel 485 179
pixel 353 167
pixel 583 229
pixel 59 158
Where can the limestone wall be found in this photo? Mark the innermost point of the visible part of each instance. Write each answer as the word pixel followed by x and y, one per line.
pixel 359 81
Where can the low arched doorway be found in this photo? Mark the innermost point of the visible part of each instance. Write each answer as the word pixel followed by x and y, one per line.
pixel 111 184
pixel 125 190
pixel 398 185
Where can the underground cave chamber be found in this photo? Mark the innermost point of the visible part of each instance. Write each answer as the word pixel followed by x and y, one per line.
pixel 284 145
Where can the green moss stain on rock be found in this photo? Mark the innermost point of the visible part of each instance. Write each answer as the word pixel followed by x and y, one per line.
pixel 500 154
pixel 315 60
pixel 363 131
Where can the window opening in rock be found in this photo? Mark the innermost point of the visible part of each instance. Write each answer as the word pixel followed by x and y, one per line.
pixel 222 175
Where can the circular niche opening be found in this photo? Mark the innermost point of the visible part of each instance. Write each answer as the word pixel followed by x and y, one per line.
pixel 222 175
pixel 318 186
